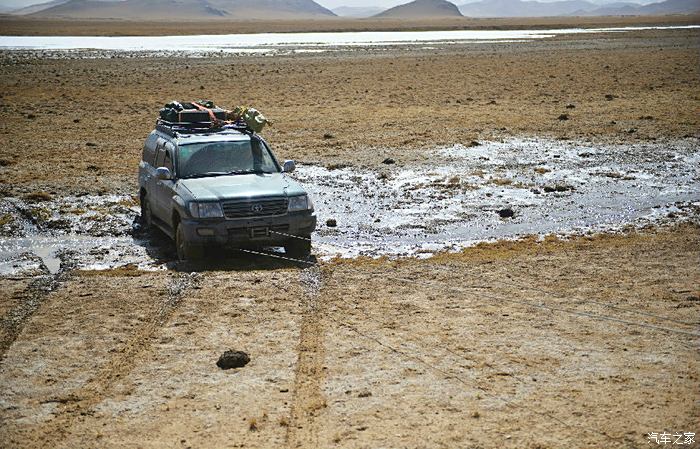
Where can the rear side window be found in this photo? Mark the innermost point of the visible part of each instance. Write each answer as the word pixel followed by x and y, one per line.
pixel 168 161
pixel 149 149
pixel 160 157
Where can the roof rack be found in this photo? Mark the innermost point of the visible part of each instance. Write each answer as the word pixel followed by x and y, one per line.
pixel 175 129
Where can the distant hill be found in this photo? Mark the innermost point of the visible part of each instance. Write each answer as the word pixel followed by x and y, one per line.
pixel 185 9
pixel 422 9
pixel 632 9
pixel 520 8
pixel 37 7
pixel 357 11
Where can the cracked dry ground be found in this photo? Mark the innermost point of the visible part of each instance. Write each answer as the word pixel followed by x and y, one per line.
pixel 502 345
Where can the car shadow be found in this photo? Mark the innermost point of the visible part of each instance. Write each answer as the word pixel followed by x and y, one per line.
pixel 161 249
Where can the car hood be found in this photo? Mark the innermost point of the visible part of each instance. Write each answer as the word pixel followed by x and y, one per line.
pixel 227 187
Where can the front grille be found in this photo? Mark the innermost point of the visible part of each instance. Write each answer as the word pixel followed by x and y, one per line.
pixel 255 208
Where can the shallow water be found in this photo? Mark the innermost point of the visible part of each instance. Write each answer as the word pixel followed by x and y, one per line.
pixel 449 202
pixel 252 43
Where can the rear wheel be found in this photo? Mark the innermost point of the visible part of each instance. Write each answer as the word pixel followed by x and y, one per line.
pixel 185 250
pixel 298 248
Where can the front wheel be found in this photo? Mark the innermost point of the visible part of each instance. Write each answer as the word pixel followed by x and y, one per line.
pixel 146 214
pixel 298 248
pixel 185 250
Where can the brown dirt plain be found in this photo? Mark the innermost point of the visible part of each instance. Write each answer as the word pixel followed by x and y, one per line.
pixel 585 343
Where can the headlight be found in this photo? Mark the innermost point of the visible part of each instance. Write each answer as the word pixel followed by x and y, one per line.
pixel 302 202
pixel 206 210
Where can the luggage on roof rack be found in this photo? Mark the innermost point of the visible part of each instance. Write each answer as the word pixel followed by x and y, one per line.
pixel 182 128
pixel 204 114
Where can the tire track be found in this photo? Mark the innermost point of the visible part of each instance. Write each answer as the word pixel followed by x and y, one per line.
pixel 32 297
pixel 308 401
pixel 80 402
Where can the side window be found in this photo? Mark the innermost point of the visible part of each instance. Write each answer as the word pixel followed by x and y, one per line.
pixel 149 152
pixel 160 157
pixel 168 161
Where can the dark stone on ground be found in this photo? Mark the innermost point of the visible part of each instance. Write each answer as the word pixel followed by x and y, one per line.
pixel 506 212
pixel 388 161
pixel 331 223
pixel 233 359
pixel 564 117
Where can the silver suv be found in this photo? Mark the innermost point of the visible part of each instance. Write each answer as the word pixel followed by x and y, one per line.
pixel 222 187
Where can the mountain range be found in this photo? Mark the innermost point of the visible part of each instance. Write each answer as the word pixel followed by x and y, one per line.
pixel 309 9
pixel 521 8
pixel 180 9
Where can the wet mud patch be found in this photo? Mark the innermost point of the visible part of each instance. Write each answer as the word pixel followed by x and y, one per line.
pixel 87 232
pixel 458 196
pixel 486 191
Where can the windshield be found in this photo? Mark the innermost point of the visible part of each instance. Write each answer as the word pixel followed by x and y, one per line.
pixel 220 158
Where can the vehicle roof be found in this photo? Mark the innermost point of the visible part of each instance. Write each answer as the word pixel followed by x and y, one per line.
pixel 220 136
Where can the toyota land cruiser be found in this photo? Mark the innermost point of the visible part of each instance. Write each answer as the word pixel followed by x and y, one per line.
pixel 220 187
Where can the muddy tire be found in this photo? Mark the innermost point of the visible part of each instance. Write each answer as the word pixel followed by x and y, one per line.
pixel 146 214
pixel 185 250
pixel 298 248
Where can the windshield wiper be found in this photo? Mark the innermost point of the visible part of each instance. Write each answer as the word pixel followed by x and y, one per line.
pixel 206 174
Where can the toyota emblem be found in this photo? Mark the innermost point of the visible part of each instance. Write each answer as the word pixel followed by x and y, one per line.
pixel 257 208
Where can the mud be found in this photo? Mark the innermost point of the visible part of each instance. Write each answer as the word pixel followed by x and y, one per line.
pixel 453 198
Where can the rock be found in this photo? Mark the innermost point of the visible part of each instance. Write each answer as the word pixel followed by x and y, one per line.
pixel 328 136
pixel 388 161
pixel 76 120
pixel 536 191
pixel 506 212
pixel 609 97
pixel 233 359
pixel 563 117
pixel 570 106
pixel 90 144
pixel 585 154
pixel 474 143
pixel 331 223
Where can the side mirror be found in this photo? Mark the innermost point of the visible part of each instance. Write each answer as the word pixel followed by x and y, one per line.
pixel 163 173
pixel 289 166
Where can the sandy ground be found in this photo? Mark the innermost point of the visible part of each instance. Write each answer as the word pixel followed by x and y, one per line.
pixel 590 342
pixel 500 346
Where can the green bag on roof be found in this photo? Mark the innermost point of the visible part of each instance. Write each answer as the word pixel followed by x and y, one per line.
pixel 253 119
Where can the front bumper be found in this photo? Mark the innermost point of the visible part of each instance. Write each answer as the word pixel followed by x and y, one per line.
pixel 248 232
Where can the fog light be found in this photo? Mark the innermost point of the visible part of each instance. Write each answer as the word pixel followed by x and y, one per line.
pixel 205 231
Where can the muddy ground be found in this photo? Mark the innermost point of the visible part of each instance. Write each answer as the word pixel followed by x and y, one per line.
pixel 585 342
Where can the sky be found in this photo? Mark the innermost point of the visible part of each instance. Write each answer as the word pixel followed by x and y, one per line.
pixel 15 4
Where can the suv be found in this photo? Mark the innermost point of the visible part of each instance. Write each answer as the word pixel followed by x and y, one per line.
pixel 221 187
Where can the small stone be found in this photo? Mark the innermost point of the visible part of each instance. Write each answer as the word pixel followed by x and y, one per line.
pixel 328 136
pixel 388 161
pixel 31 116
pixel 76 120
pixel 233 359
pixel 570 106
pixel 506 212
pixel 331 223
pixel 90 144
pixel 564 117
pixel 609 97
